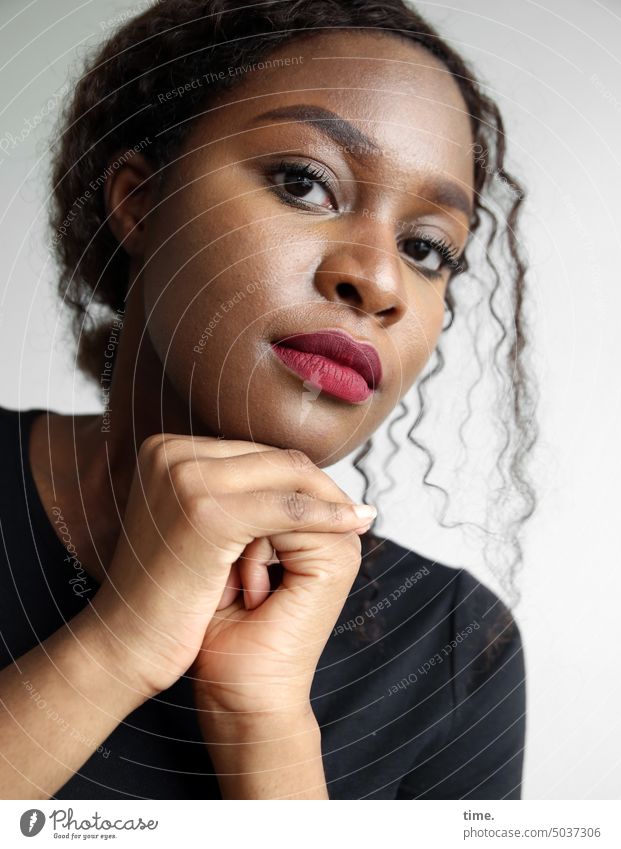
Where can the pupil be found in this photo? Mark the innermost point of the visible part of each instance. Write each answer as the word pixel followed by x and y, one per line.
pixel 300 185
pixel 421 248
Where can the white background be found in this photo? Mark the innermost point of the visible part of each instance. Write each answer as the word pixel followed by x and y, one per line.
pixel 563 125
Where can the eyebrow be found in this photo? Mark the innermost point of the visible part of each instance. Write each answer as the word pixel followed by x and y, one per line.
pixel 439 190
pixel 447 193
pixel 330 124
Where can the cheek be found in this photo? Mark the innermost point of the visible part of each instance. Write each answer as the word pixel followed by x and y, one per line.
pixel 236 251
pixel 185 277
pixel 419 336
pixel 214 285
pixel 202 327
pixel 431 323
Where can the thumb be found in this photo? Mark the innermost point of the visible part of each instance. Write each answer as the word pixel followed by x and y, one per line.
pixel 319 571
pixel 231 588
pixel 254 573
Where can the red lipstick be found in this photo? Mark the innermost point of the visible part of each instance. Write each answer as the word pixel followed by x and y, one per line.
pixel 333 361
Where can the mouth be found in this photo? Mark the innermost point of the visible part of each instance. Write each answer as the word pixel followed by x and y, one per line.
pixel 333 361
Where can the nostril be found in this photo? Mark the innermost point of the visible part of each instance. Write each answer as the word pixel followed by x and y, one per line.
pixel 347 290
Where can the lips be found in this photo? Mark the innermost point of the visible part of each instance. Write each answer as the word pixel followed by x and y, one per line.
pixel 334 360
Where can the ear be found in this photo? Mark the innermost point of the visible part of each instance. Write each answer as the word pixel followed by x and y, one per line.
pixel 128 197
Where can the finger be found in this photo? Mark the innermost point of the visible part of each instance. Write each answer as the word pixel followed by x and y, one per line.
pixel 263 470
pixel 266 512
pixel 254 573
pixel 180 446
pixel 299 550
pixel 276 470
pixel 320 568
pixel 232 587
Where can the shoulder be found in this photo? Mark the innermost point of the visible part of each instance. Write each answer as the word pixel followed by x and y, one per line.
pixel 14 422
pixel 10 439
pixel 389 562
pixel 466 622
pixel 479 648
pixel 8 419
pixel 15 428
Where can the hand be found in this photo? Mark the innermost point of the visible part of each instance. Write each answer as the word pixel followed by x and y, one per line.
pixel 195 504
pixel 260 651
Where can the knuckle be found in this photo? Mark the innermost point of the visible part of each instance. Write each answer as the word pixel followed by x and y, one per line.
pixel 336 511
pixel 154 452
pixel 198 508
pixel 182 474
pixel 149 446
pixel 265 496
pixel 296 505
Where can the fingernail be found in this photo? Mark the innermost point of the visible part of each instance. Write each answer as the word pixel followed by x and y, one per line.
pixel 365 511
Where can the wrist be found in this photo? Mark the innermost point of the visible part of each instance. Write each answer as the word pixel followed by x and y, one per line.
pixel 270 756
pixel 263 725
pixel 109 659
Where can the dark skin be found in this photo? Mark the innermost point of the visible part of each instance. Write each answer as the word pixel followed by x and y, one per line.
pixel 233 254
pixel 220 226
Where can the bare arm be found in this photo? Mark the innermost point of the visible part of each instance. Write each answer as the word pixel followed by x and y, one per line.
pixel 58 703
pixel 167 576
pixel 276 757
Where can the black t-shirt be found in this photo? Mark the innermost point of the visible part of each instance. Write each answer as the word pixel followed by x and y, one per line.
pixel 432 708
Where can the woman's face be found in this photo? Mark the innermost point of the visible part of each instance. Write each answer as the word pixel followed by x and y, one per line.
pixel 243 251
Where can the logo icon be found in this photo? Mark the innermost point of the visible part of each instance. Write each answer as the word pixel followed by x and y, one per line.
pixel 32 822
pixel 311 394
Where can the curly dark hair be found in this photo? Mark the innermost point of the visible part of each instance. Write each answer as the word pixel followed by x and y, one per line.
pixel 115 112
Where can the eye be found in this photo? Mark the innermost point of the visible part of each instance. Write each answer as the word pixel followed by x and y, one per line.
pixel 431 255
pixel 303 182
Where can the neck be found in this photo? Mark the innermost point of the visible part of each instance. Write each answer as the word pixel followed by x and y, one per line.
pixel 86 463
pixel 139 399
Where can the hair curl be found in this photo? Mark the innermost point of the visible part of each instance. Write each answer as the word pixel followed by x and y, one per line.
pixel 115 110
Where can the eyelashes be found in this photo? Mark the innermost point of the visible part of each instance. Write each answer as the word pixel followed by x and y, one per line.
pixel 449 255
pixel 304 178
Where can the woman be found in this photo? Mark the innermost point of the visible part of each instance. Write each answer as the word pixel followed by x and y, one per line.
pixel 260 215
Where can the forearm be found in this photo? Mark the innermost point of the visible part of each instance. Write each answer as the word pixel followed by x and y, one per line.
pixel 275 758
pixel 58 703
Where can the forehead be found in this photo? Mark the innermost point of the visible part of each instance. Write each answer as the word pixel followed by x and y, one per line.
pixel 392 89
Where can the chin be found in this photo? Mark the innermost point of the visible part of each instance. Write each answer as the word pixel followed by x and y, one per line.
pixel 325 434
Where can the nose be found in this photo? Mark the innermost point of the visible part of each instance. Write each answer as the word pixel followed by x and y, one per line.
pixel 367 277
